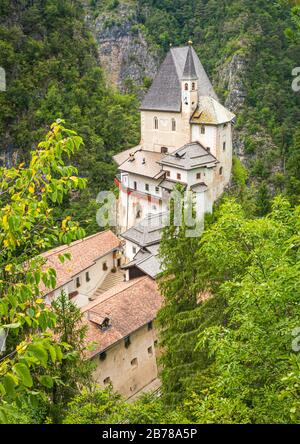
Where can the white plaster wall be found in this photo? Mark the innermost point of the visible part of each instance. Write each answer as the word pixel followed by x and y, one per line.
pixel 129 253
pixel 173 173
pixel 96 274
pixel 126 379
pixel 153 140
pixel 208 140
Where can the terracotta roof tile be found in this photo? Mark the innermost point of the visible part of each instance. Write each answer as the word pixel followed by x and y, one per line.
pixel 129 306
pixel 83 252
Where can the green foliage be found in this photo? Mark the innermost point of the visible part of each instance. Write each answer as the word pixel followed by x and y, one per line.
pixel 263 200
pixel 256 31
pixel 74 371
pixel 95 406
pixel 50 77
pixel 250 268
pixel 177 285
pixel 27 228
pixel 239 173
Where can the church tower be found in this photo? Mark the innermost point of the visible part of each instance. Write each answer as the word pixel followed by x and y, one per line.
pixel 189 85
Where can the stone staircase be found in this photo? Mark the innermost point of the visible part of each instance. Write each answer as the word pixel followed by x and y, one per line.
pixel 110 281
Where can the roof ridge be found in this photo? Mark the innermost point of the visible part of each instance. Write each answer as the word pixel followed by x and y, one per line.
pixel 56 250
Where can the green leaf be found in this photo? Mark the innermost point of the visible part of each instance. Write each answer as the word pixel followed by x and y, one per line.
pixel 38 352
pixel 9 383
pixel 24 374
pixel 46 381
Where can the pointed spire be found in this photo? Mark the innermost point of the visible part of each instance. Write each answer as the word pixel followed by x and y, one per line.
pixel 189 72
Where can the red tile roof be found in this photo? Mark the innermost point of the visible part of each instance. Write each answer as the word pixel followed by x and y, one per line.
pixel 129 306
pixel 84 254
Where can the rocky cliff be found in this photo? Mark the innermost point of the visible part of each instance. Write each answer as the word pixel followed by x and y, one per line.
pixel 128 59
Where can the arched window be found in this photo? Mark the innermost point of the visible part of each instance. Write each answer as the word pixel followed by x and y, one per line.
pixel 221 171
pixel 193 86
pixel 155 123
pixel 202 129
pixel 173 124
pixel 186 86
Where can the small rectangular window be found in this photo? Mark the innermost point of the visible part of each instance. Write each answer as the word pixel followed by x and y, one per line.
pixel 127 341
pixel 164 150
pixel 104 266
pixel 146 186
pixel 202 129
pixel 150 325
pixel 198 176
pixel 150 351
pixel 78 282
pixel 134 250
pixel 157 189
pixel 178 176
pixel 87 276
pixel 107 381
pixel 224 146
pixel 102 356
pixel 134 362
pixel 135 185
pixel 168 173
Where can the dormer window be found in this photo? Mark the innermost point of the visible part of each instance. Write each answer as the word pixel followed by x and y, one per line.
pixel 202 129
pixel 186 86
pixel 155 121
pixel 173 125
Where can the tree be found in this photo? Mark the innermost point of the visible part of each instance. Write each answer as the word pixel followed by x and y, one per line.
pixel 263 200
pixel 254 265
pixel 74 371
pixel 27 228
pixel 95 406
pixel 177 285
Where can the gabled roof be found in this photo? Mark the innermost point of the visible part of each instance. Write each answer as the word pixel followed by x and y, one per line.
pixel 190 156
pixel 147 232
pixel 165 91
pixel 147 260
pixel 142 162
pixel 210 111
pixel 84 254
pixel 124 155
pixel 169 184
pixel 128 306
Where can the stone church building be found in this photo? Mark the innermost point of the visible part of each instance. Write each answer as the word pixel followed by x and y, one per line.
pixel 186 138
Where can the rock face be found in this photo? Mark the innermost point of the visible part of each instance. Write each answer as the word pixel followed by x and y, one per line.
pixel 233 74
pixel 231 79
pixel 123 51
